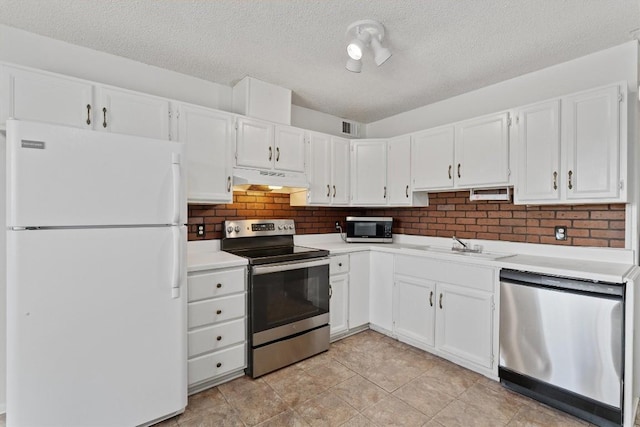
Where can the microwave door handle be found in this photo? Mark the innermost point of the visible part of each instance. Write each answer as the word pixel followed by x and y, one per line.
pixel 287 266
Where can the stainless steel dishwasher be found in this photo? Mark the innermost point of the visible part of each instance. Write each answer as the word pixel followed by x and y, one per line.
pixel 562 343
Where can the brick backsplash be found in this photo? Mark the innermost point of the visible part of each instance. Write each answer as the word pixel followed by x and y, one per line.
pixel 448 214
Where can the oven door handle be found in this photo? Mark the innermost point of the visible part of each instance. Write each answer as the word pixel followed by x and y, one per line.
pixel 287 266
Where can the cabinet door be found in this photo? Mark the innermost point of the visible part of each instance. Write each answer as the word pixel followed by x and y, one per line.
pixel 254 144
pixel 358 289
pixel 131 113
pixel 46 97
pixel 482 152
pixel 338 304
pixel 369 172
pixel 464 326
pixel 399 171
pixel 592 144
pixel 538 153
pixel 289 149
pixel 319 168
pixel 414 310
pixel 381 291
pixel 339 171
pixel 432 158
pixel 207 135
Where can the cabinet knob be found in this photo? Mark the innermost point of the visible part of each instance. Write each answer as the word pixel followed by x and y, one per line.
pixel 218 338
pixel 339 264
pixel 220 311
pixel 218 365
pixel 219 285
pixel 88 114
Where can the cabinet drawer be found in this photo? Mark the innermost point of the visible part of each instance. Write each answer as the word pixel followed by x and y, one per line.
pixel 339 264
pixel 216 310
pixel 215 283
pixel 218 336
pixel 216 364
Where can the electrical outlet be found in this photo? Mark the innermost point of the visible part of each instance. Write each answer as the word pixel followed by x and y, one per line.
pixel 561 233
pixel 338 225
pixel 200 230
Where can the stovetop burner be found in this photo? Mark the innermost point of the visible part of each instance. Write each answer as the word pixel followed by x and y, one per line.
pixel 265 241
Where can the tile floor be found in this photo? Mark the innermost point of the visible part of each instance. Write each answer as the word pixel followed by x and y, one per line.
pixel 367 379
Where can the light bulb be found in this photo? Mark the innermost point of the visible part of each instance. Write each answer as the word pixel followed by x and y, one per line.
pixel 355 48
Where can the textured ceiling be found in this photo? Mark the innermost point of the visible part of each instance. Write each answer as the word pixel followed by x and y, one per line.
pixel 441 48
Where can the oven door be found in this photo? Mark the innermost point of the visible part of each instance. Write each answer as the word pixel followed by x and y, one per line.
pixel 288 298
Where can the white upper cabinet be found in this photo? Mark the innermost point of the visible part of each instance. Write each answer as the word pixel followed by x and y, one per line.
pixel 432 159
pixel 254 144
pixel 369 172
pixel 208 136
pixel 46 97
pixel 573 149
pixel 538 152
pixel 399 171
pixel 339 171
pixel 132 113
pixel 52 98
pixel 482 152
pixel 263 145
pixel 592 135
pixel 289 148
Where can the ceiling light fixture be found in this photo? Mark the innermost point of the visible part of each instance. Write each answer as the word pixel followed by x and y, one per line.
pixel 365 33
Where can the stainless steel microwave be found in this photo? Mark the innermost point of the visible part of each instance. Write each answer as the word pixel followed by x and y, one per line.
pixel 372 229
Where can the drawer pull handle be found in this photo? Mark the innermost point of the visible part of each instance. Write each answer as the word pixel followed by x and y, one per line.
pixel 334 191
pixel 218 338
pixel 218 365
pixel 270 153
pixel 459 176
pixel 277 154
pixel 406 192
pixel 570 180
pixel 218 311
pixel 555 180
pixel 88 114
pixel 219 285
pixel 328 190
pixel 228 184
pixel 104 115
pixel 431 298
pixel 450 171
pixel 330 291
pixel 385 192
pixel 440 301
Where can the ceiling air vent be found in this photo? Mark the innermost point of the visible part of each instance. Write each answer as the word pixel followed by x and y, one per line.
pixel 349 128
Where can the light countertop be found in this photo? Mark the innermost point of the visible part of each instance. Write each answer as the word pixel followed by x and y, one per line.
pixel 197 261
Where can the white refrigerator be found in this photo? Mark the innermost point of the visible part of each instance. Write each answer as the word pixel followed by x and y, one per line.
pixel 96 297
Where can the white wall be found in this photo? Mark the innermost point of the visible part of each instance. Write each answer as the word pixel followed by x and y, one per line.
pixel 320 122
pixel 24 48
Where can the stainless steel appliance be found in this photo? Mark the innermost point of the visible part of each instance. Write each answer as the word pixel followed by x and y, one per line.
pixel 561 342
pixel 371 229
pixel 288 293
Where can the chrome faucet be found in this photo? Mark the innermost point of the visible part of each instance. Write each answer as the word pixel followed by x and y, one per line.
pixel 464 247
pixel 455 239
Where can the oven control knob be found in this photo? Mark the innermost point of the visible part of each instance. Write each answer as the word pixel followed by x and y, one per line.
pixel 291 227
pixel 237 228
pixel 280 227
pixel 229 229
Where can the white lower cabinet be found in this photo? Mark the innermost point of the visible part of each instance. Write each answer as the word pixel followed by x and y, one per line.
pixel 217 327
pixel 349 303
pixel 448 309
pixel 339 303
pixel 381 292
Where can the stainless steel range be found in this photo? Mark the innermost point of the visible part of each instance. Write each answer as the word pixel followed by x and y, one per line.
pixel 288 293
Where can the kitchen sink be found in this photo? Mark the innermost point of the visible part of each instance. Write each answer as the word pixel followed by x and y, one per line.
pixel 480 255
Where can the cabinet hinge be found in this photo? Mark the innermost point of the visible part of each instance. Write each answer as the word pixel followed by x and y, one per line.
pixel 493 305
pixel 508 171
pixel 170 114
pixel 621 185
pixel 235 123
pixel 517 119
pixel 178 114
pixel 508 121
pixel 620 97
pixel 493 359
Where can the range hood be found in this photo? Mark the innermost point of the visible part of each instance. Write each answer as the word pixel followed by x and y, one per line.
pixel 275 181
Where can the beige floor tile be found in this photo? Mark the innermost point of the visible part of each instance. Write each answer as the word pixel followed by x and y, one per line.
pixel 359 392
pixel 297 387
pixel 542 416
pixel 289 418
pixel 330 374
pixel 171 422
pixel 359 421
pixel 459 413
pixel 257 404
pixel 210 419
pixel 326 409
pixel 239 386
pixel 208 401
pixel 393 373
pixel 433 423
pixel 450 378
pixel 420 394
pixel 392 411
pixel 317 360
pixel 500 404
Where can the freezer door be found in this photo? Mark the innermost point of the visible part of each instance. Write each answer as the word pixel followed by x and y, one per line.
pixel 62 176
pixel 96 333
pixel 569 340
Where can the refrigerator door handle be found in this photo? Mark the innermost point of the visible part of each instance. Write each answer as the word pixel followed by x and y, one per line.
pixel 175 170
pixel 175 276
